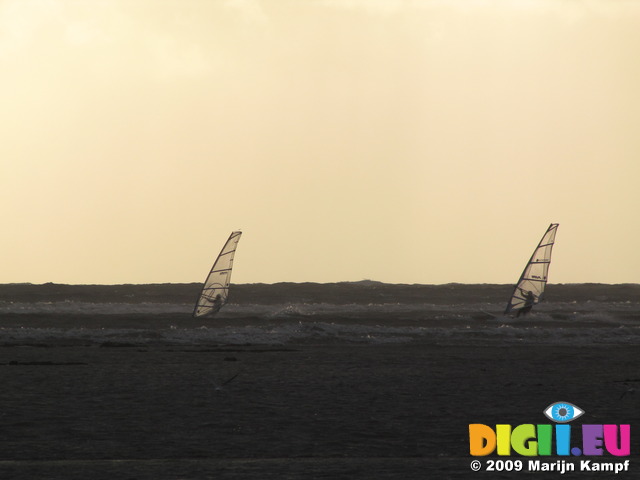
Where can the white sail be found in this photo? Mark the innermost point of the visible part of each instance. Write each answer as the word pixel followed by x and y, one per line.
pixel 533 280
pixel 216 287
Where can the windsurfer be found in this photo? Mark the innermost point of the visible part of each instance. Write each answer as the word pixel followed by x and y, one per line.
pixel 529 301
pixel 217 303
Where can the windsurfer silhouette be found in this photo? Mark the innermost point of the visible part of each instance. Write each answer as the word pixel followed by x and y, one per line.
pixel 529 301
pixel 217 303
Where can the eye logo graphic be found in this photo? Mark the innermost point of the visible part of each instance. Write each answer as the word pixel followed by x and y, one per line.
pixel 563 412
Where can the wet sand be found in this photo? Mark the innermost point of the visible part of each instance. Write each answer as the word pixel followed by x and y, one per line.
pixel 304 411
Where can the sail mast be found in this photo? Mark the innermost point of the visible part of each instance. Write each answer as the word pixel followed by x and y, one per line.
pixel 215 290
pixel 530 287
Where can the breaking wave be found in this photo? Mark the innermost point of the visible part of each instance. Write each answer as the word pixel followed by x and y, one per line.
pixel 148 324
pixel 295 314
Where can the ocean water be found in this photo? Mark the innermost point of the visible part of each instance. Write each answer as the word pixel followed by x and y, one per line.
pixel 360 313
pixel 296 381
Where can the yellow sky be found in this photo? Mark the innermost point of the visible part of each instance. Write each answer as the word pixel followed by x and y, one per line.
pixel 400 141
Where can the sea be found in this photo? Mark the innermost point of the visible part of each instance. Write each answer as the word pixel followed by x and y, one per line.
pixel 300 380
pixel 366 313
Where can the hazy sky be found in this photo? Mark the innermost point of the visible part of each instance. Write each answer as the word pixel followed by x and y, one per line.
pixel 424 141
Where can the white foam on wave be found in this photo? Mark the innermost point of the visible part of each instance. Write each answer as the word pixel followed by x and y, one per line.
pixel 305 323
pixel 267 310
pixel 321 333
pixel 90 308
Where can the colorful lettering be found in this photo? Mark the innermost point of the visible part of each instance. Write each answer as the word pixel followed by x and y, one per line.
pixel 531 440
pixel 622 449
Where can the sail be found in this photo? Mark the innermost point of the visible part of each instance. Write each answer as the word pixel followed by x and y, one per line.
pixel 533 280
pixel 216 287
